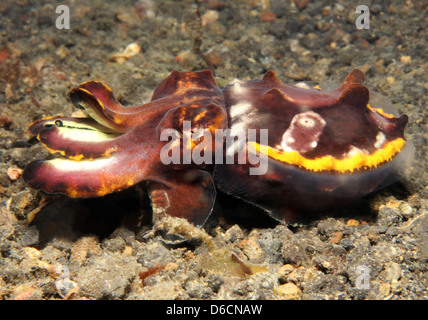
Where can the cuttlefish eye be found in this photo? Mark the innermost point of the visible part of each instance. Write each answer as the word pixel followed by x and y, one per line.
pixel 59 123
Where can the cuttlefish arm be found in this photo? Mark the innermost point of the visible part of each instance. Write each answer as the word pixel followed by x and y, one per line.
pixel 185 191
pixel 188 194
pixel 178 88
pixel 75 138
pixel 113 164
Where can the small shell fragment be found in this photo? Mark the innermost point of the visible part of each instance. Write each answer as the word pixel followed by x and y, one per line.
pixel 130 51
pixel 13 173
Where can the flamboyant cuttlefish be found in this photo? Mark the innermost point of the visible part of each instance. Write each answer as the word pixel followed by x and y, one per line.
pixel 314 148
